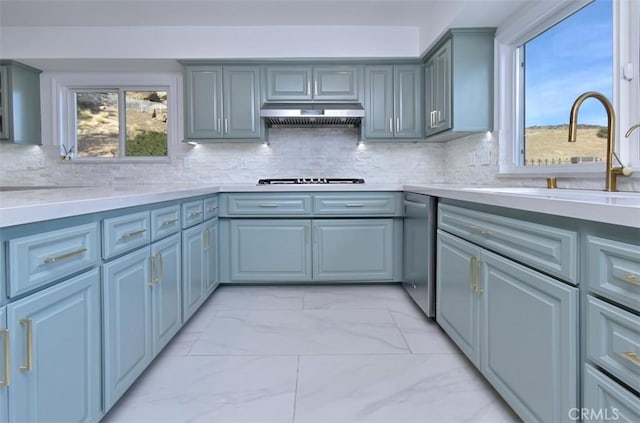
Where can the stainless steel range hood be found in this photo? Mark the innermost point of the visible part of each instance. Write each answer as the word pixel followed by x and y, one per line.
pixel 316 114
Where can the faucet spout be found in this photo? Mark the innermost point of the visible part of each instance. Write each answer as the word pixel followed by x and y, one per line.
pixel 611 171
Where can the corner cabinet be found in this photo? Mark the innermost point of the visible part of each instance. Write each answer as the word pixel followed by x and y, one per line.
pixel 312 83
pixel 393 102
pixel 517 325
pixel 459 84
pixel 222 102
pixel 19 103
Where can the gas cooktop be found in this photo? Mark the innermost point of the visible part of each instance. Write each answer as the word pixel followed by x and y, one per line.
pixel 311 181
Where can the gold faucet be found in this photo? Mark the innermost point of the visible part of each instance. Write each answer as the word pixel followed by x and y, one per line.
pixel 612 171
pixel 630 130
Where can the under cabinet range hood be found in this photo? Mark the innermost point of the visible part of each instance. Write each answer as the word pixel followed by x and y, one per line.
pixel 315 114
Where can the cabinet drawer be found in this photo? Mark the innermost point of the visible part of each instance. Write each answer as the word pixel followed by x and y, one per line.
pixel 548 249
pixel 613 340
pixel 192 213
pixel 124 233
pixel 604 396
pixel 38 259
pixel 357 204
pixel 613 270
pixel 164 222
pixel 210 207
pixel 268 205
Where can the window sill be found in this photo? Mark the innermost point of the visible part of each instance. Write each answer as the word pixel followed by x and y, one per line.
pixel 121 160
pixel 591 171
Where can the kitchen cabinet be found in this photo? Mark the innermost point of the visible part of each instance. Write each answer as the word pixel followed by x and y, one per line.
pixel 459 84
pixel 222 102
pixel 126 322
pixel 211 256
pixel 502 313
pixel 606 400
pixel 55 353
pixel 20 120
pixel 393 102
pixel 312 83
pixel 5 369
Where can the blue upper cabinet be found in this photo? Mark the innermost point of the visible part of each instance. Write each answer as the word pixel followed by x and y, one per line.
pixel 19 103
pixel 312 83
pixel 222 102
pixel 393 102
pixel 459 84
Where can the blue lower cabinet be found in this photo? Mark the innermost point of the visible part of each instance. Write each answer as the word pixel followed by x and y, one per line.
pixel 127 321
pixel 4 366
pixel 211 256
pixel 193 270
pixel 353 250
pixel 530 338
pixel 55 353
pixel 166 291
pixel 270 250
pixel 605 400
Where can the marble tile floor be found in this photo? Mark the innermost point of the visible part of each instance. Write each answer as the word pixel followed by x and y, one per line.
pixel 310 354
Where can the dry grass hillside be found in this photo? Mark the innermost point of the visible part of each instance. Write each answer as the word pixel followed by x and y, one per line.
pixel 550 143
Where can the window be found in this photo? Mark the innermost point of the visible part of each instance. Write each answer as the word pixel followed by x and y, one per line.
pixel 120 123
pixel 547 55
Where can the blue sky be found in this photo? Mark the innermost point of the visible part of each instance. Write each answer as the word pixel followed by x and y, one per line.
pixel 573 57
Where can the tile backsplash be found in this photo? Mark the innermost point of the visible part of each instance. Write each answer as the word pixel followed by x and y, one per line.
pixel 291 152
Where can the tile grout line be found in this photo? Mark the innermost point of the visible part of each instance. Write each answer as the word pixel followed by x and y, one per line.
pixel 295 392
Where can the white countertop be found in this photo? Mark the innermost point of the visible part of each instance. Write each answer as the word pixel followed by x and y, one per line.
pixel 28 206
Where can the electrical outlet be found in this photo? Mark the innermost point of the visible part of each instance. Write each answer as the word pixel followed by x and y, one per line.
pixel 471 158
pixel 187 162
pixel 484 158
pixel 244 164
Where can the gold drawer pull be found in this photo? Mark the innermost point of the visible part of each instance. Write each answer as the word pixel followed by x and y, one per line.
pixel 632 279
pixel 632 357
pixel 212 209
pixel 28 326
pixel 168 222
pixel 472 273
pixel 7 370
pixel 268 205
pixel 354 205
pixel 479 230
pixel 152 270
pixel 55 259
pixel 195 214
pixel 132 234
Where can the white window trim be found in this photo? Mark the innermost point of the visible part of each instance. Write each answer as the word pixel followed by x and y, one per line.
pixel 57 95
pixel 530 21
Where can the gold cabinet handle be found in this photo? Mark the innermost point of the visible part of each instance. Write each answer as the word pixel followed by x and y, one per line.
pixel 479 230
pixel 152 273
pixel 391 125
pixel 29 335
pixel 479 288
pixel 195 214
pixel 632 357
pixel 168 222
pixel 472 273
pixel 133 233
pixel 65 256
pixel 632 279
pixel 7 368
pixel 212 209
pixel 268 204
pixel 207 241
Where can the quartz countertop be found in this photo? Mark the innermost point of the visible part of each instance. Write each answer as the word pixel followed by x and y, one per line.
pixel 33 205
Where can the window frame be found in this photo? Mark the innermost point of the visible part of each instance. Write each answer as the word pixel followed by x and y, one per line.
pixel 532 20
pixel 58 90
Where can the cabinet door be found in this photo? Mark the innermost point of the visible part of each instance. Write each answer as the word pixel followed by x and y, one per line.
pixel 211 255
pixel 203 96
pixel 127 324
pixel 270 250
pixel 353 250
pixel 457 303
pixel 407 82
pixel 5 119
pixel 378 102
pixel 286 83
pixel 335 83
pixel 438 90
pixel 56 360
pixel 241 102
pixel 530 339
pixel 166 298
pixel 5 370
pixel 193 270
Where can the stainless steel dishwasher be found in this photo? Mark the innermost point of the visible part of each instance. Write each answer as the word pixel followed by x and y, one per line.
pixel 419 250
